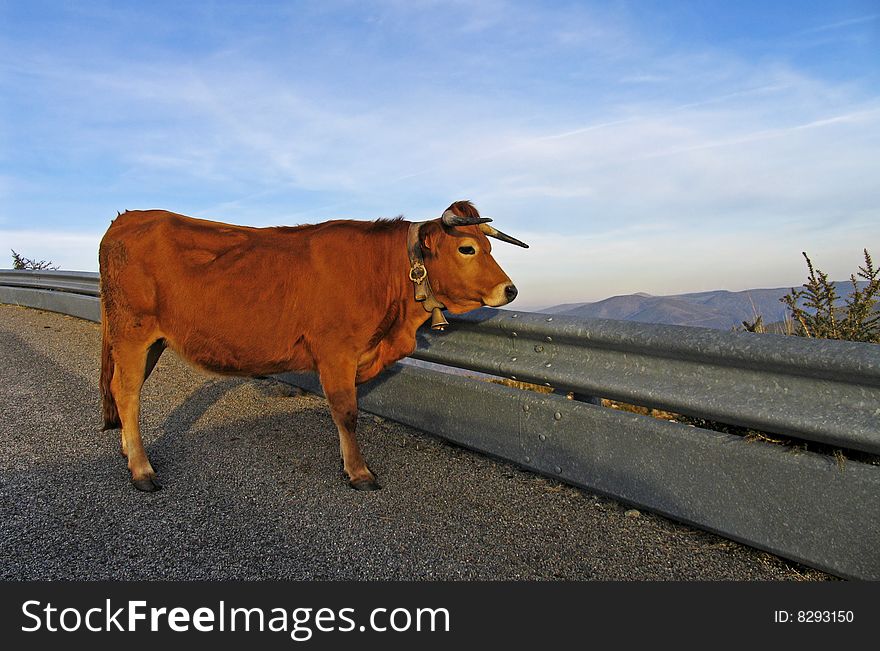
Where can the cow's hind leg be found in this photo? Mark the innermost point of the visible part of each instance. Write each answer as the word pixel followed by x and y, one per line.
pixel 154 352
pixel 131 363
pixel 339 387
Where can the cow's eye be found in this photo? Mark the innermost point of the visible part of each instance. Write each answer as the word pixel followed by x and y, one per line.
pixel 466 250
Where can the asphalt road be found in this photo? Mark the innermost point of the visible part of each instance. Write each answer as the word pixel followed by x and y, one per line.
pixel 253 490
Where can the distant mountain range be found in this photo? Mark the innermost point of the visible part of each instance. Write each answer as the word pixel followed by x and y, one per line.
pixel 719 309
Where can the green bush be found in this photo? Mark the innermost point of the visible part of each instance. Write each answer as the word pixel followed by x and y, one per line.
pixel 857 321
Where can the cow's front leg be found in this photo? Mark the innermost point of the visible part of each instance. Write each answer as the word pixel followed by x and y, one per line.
pixel 339 387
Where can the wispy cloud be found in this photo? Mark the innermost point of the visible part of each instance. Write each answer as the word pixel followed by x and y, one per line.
pixel 840 24
pixel 868 116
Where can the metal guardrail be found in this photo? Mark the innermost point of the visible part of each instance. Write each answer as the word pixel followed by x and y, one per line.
pixel 76 282
pixel 819 390
pixel 69 292
pixel 800 505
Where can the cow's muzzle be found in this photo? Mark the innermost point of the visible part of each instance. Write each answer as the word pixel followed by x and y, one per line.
pixel 502 294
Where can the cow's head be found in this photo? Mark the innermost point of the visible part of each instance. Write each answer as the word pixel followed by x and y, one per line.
pixel 458 256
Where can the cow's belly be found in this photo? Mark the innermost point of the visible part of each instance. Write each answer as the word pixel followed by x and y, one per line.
pixel 253 354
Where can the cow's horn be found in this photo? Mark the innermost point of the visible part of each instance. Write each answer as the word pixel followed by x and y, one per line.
pixel 504 237
pixel 449 218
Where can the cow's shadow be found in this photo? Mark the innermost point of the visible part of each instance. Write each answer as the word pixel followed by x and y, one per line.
pixel 185 415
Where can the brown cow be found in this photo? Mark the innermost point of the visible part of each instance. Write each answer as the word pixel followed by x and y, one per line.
pixel 343 298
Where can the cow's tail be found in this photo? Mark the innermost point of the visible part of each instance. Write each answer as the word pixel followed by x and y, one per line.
pixel 111 414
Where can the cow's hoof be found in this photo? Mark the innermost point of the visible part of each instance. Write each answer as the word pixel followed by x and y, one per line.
pixel 365 485
pixel 147 485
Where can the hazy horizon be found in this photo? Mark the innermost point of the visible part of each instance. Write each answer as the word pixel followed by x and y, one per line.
pixel 786 288
pixel 644 146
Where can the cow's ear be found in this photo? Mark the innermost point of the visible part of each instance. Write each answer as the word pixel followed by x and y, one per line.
pixel 428 234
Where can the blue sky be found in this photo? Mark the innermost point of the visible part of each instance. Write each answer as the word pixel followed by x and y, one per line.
pixel 662 147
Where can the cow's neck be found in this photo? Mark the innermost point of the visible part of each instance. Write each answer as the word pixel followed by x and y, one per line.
pixel 418 274
pixel 395 336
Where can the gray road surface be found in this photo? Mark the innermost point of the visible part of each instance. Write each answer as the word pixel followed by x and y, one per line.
pixel 253 490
